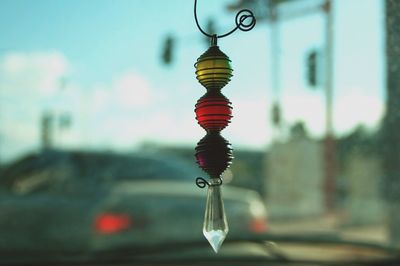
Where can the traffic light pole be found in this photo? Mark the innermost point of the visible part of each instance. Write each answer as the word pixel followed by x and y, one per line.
pixel 329 142
pixel 329 153
pixel 275 72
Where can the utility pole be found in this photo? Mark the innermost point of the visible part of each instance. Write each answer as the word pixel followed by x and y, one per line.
pixel 329 141
pixel 274 17
pixel 391 127
pixel 275 69
pixel 46 130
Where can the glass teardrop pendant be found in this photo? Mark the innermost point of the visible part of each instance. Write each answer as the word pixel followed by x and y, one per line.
pixel 215 227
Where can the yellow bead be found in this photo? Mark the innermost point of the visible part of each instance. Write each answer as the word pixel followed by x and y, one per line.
pixel 213 68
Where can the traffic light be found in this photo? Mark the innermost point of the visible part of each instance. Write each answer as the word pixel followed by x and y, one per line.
pixel 312 70
pixel 276 114
pixel 168 50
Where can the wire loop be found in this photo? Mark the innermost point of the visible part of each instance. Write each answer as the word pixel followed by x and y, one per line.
pixel 241 17
pixel 202 183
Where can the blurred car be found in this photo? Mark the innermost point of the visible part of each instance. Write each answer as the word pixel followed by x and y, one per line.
pixel 77 201
pixel 149 212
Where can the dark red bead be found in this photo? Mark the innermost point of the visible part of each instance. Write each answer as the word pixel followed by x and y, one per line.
pixel 213 154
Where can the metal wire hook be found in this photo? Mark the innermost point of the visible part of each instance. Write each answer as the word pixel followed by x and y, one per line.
pixel 240 20
pixel 202 183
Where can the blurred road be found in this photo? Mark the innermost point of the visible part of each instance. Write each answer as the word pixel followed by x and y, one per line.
pixel 376 233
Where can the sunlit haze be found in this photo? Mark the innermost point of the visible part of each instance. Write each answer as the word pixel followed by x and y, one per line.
pixel 93 61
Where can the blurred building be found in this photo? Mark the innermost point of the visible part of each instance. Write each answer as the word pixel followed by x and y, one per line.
pixel 295 177
pixel 363 204
pixel 294 183
pixel 361 177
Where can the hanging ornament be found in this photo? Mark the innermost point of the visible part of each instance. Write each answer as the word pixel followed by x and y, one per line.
pixel 213 113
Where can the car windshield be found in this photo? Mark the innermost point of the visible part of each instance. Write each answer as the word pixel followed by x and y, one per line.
pixel 262 131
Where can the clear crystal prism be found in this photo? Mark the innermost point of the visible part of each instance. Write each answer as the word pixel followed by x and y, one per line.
pixel 215 227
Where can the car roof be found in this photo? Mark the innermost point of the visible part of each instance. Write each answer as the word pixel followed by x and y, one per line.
pixel 176 188
pixel 102 165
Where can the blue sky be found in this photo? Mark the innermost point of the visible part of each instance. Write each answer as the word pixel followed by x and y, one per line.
pixel 120 95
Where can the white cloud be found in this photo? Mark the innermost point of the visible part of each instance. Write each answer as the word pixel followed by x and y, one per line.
pixel 128 92
pixel 350 109
pixel 305 107
pixel 250 124
pixel 356 107
pixel 34 74
pixel 125 112
pixel 132 91
pixel 129 110
pixel 119 113
pixel 28 83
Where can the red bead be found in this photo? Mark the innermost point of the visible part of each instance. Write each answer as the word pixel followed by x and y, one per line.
pixel 213 112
